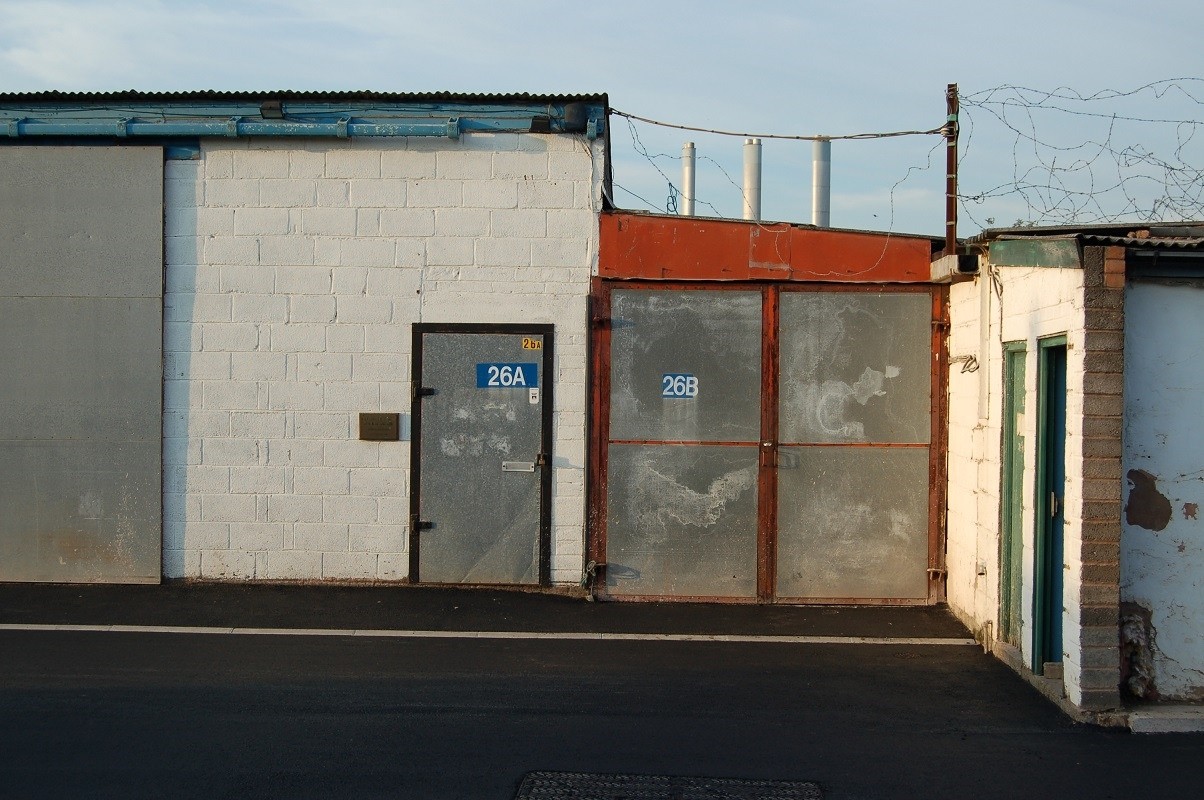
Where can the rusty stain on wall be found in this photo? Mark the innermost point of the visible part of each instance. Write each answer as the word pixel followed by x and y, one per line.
pixel 1137 636
pixel 1147 507
pixel 1189 510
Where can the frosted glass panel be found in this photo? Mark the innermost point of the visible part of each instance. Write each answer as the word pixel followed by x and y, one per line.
pixel 853 522
pixel 855 367
pixel 685 366
pixel 682 520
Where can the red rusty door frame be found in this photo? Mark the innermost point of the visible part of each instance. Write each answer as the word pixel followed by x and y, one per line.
pixel 599 432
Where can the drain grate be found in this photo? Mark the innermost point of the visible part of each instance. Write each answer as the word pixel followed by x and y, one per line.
pixel 593 786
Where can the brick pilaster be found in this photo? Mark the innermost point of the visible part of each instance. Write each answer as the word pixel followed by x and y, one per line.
pixel 1103 411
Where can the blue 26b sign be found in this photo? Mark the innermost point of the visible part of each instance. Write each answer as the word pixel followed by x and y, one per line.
pixel 679 386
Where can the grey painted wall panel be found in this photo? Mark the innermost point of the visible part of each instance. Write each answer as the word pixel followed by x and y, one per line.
pixel 75 221
pixel 88 511
pixel 81 264
pixel 80 368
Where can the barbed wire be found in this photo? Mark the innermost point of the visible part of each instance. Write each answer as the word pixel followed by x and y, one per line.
pixel 1110 165
pixel 1108 156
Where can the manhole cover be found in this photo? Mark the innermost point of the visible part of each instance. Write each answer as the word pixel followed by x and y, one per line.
pixel 591 786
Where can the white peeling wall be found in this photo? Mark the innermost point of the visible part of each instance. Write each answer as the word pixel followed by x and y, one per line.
pixel 1020 304
pixel 1162 534
pixel 294 273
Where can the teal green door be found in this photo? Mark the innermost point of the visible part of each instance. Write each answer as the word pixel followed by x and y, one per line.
pixel 1011 495
pixel 1048 581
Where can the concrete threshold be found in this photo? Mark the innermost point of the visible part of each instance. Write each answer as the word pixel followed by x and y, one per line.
pixel 1169 718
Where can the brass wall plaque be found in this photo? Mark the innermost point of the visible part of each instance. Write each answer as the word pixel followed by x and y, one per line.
pixel 377 427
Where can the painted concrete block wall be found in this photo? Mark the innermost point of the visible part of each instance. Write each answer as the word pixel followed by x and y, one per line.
pixel 1020 304
pixel 1162 536
pixel 294 272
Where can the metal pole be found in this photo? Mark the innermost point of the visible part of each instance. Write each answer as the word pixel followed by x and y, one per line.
pixel 821 183
pixel 687 179
pixel 951 130
pixel 752 179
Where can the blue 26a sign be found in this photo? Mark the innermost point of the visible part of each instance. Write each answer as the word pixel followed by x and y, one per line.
pixel 507 376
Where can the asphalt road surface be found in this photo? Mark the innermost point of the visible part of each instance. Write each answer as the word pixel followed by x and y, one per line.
pixel 131 715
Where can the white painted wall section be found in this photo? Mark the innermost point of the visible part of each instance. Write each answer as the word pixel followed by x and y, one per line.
pixel 294 272
pixel 1009 304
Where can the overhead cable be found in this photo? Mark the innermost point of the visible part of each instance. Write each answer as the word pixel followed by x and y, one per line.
pixel 812 138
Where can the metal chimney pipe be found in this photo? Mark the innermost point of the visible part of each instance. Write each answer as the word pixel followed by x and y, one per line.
pixel 687 179
pixel 752 179
pixel 821 183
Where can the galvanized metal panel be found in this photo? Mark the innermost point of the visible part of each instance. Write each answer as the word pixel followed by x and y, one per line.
pixel 855 367
pixel 853 522
pixel 709 336
pixel 682 521
pixel 81 364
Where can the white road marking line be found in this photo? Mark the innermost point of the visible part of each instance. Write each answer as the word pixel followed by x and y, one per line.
pixel 563 635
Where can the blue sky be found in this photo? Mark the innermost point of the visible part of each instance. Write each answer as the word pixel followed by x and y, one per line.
pixel 796 68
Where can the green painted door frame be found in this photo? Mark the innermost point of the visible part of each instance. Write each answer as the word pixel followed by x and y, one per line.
pixel 1011 494
pixel 1048 573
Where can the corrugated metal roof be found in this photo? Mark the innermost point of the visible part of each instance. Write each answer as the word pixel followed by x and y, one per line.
pixel 256 96
pixel 1160 243
pixel 1139 242
pixel 1163 235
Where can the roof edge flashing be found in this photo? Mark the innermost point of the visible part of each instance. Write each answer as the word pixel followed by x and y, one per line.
pixel 293 119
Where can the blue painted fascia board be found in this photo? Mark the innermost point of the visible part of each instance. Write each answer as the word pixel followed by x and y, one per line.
pixel 240 119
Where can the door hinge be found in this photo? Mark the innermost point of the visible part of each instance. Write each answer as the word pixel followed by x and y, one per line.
pixel 419 525
pixel 420 391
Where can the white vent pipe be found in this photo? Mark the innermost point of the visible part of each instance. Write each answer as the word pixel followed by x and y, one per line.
pixel 821 183
pixel 687 179
pixel 752 179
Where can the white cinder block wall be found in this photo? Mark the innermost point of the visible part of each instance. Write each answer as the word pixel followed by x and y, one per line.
pixel 1036 303
pixel 294 271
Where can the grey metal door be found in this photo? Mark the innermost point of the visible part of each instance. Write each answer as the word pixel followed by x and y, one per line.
pixel 481 457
